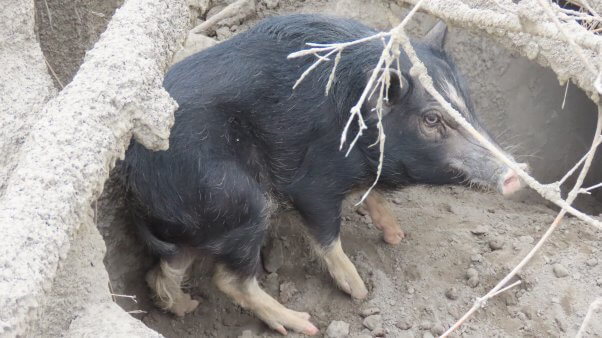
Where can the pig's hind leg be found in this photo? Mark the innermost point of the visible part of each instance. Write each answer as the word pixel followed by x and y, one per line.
pixel 237 252
pixel 246 292
pixel 166 279
pixel 382 218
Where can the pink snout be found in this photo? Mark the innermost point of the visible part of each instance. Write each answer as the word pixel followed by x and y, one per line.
pixel 510 182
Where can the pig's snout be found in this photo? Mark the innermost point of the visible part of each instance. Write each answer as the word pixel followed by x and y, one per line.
pixel 510 182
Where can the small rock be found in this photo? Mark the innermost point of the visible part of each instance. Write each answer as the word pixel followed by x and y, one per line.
pixel 451 293
pixel 473 277
pixel 271 283
pixel 362 335
pixel 591 262
pixel 528 312
pixel 361 211
pixel 453 312
pixel 194 43
pixel 425 325
pixel 478 231
pixel 337 329
pixel 373 322
pixel 427 334
pixel 559 270
pixel 509 298
pixel 476 258
pixel 271 4
pixel 287 291
pixel 370 311
pixel 526 239
pixel 229 320
pixel 378 332
pixel 272 255
pixel 561 323
pixel 404 324
pixel 599 282
pixel 397 201
pixel 247 334
pixel 438 329
pixel 447 208
pixel 223 33
pixel 496 244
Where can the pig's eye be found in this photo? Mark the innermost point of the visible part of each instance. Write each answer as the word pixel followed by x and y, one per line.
pixel 431 119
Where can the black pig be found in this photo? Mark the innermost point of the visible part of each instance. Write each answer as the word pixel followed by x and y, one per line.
pixel 244 138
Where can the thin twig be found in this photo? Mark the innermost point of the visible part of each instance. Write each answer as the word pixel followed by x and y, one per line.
pixel 135 312
pixel 566 90
pixel 48 12
pixel 56 77
pixel 590 311
pixel 592 188
pixel 576 166
pixel 132 297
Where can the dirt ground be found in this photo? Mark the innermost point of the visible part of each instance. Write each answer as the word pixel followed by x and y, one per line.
pixel 459 242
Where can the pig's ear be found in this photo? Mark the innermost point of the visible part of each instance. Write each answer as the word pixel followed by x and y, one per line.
pixel 399 87
pixel 436 36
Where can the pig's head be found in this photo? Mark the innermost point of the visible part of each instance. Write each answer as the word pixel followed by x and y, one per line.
pixel 423 142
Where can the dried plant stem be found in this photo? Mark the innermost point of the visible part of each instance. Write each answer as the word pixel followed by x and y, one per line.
pixel 592 307
pixel 56 77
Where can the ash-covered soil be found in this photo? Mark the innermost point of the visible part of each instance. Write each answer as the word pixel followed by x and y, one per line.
pixel 458 244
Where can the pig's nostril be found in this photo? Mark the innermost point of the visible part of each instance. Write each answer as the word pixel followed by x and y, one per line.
pixel 510 180
pixel 511 183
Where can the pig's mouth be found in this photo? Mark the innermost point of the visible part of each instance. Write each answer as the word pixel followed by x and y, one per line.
pixel 505 180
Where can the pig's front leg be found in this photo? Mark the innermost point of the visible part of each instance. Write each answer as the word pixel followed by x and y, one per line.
pixel 322 217
pixel 342 270
pixel 382 218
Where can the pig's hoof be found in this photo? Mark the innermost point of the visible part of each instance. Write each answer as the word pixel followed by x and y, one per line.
pixel 283 318
pixel 185 304
pixel 359 290
pixel 393 237
pixel 351 283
